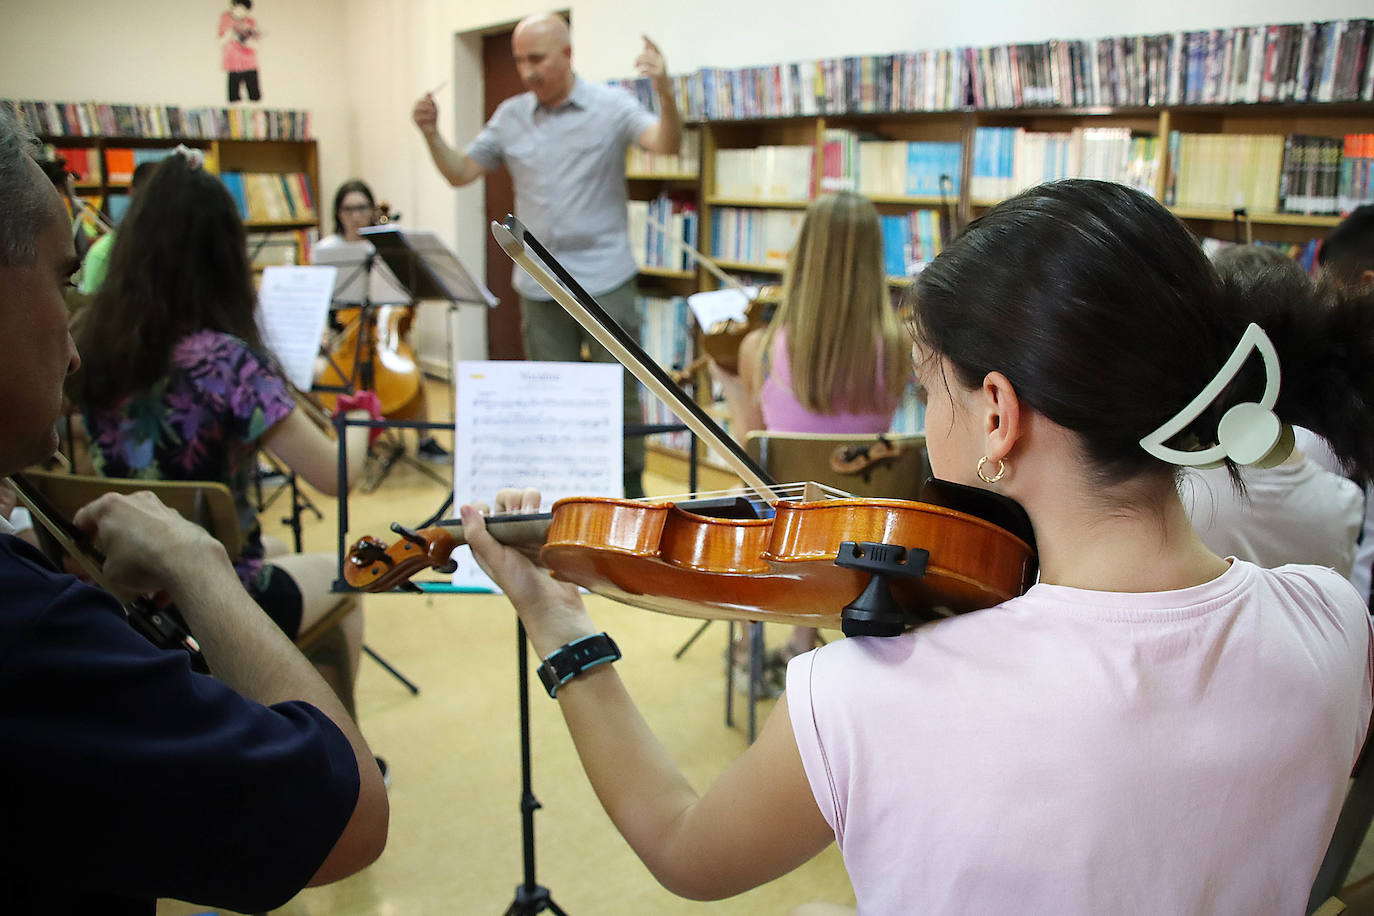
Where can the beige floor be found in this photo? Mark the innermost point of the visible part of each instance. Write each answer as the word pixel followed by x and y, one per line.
pixel 455 844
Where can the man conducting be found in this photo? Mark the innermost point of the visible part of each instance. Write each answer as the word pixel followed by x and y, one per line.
pixel 564 143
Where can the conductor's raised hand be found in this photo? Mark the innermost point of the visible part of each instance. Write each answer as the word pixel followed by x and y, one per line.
pixel 426 114
pixel 551 610
pixel 148 547
pixel 650 61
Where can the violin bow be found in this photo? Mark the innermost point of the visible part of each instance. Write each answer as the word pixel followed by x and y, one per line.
pixel 517 242
pixel 157 627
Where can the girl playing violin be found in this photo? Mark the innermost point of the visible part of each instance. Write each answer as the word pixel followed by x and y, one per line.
pixel 833 359
pixel 1151 727
pixel 355 208
pixel 176 384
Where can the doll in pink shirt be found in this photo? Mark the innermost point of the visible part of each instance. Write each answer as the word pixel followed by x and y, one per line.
pixel 236 30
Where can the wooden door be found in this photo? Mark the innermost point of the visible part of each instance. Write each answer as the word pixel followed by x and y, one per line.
pixel 503 322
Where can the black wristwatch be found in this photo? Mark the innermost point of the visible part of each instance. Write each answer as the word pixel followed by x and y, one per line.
pixel 567 662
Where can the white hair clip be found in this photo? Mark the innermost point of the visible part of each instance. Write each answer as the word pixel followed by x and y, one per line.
pixel 1249 433
pixel 194 158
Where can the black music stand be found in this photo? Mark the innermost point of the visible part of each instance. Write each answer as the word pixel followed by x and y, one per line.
pixel 366 283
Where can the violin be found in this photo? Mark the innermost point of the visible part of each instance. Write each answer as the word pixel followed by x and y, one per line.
pixel 871 566
pixel 159 626
pixel 373 353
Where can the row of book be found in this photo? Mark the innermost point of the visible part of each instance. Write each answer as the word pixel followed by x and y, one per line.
pixel 910 241
pixel 1271 173
pixel 100 119
pixel 639 161
pixel 665 333
pixel 1356 185
pixel 761 238
pixel 654 224
pixel 271 197
pixel 890 168
pixel 1009 159
pixel 765 172
pixel 1290 62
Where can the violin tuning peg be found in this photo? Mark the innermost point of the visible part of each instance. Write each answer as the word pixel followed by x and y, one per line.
pixel 409 534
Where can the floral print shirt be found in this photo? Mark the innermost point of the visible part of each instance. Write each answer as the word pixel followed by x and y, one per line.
pixel 201 421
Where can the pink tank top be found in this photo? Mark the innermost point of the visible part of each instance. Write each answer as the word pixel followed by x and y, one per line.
pixel 783 413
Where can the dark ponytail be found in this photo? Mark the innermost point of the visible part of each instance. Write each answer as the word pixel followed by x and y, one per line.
pixel 1103 312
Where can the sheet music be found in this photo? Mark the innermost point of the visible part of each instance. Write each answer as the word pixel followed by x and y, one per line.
pixel 555 426
pixel 293 305
pixel 354 283
pixel 717 305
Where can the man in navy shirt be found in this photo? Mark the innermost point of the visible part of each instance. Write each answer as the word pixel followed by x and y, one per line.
pixel 130 776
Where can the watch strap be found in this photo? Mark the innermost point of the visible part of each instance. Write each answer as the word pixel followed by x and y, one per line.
pixel 567 662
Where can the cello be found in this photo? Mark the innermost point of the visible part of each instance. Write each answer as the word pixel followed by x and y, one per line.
pixel 372 352
pixel 868 566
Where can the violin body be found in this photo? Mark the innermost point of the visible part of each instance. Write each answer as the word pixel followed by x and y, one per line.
pixel 782 570
pixel 376 336
pixel 667 558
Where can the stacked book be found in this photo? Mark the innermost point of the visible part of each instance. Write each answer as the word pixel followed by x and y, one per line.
pixel 910 242
pixel 640 162
pixel 652 246
pixel 758 238
pixel 765 172
pixel 271 197
pixel 1009 159
pixel 100 119
pixel 666 335
pixel 1288 62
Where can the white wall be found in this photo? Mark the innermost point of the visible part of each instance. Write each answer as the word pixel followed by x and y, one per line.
pixel 145 51
pixel 359 65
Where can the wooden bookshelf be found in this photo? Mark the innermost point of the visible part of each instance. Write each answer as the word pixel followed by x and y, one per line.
pixel 280 157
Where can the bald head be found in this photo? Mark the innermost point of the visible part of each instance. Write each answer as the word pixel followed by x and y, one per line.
pixel 542 46
pixel 544 25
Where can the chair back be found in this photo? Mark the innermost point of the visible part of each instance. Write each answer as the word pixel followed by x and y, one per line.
pixel 207 503
pixel 821 457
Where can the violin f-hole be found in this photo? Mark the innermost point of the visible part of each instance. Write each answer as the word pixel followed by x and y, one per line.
pixel 875 612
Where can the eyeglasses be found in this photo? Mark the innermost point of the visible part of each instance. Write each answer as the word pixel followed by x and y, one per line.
pixel 357 208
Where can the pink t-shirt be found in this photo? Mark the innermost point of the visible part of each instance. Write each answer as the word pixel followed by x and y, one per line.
pixel 1076 752
pixel 783 413
pixel 237 55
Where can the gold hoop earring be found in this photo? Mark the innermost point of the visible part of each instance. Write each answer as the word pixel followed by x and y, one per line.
pixel 1001 469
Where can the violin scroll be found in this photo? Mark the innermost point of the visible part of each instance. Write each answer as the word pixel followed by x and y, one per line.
pixel 372 566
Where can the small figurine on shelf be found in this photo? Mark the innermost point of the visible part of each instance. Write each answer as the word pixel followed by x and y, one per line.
pixel 236 29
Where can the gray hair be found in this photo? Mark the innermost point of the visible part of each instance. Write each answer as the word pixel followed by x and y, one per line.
pixel 23 201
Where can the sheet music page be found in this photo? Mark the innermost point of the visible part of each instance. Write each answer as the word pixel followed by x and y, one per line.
pixel 717 305
pixel 555 426
pixel 293 304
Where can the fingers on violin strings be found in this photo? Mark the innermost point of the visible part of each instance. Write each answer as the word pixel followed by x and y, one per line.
pixel 482 508
pixel 529 500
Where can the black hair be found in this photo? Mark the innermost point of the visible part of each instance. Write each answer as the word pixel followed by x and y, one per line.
pixel 179 265
pixel 1348 251
pixel 348 187
pixel 1106 317
pixel 246 4
pixel 141 173
pixel 55 168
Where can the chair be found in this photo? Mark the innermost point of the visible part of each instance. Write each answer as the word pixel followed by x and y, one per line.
pixel 207 503
pixel 891 465
pixel 793 457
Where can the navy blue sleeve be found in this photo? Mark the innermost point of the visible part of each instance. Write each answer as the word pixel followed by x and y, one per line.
pixel 127 771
